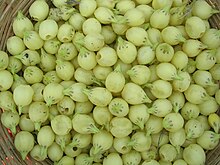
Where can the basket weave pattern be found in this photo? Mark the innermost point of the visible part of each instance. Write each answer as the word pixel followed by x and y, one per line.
pixel 8 153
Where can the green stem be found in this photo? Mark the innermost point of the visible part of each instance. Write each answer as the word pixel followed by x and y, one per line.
pixel 43 52
pixel 145 26
pixel 49 102
pixel 86 91
pixel 207 97
pixel 189 135
pixel 176 108
pixel 212 52
pixel 19 56
pixel 23 154
pixel 43 150
pixel 148 133
pixel 188 8
pixel 16 77
pixel 148 85
pixel 177 77
pixel 212 84
pixel 63 53
pixel 78 46
pixel 131 143
pixel 216 136
pixel 13 70
pixel 13 109
pixel 120 41
pixel 216 128
pixel 149 43
pixel 13 129
pixel 83 51
pixel 215 11
pixel 59 62
pixel 178 149
pixel 181 11
pixel 51 116
pixel 96 81
pixel 166 9
pixel 107 126
pixel 135 127
pixel 89 159
pixel 115 11
pixel 147 100
pixel 73 144
pixel 94 129
pixel 118 68
pixel 96 150
pixel 20 109
pixel 202 46
pixel 192 63
pixel 151 110
pixel 183 7
pixel 63 145
pixel 79 42
pixel 119 20
pixel 180 38
pixel 116 108
pixel 37 125
pixel 140 124
pixel 27 34
pixel 20 15
pixel 66 92
pixel 130 73
pixel 154 46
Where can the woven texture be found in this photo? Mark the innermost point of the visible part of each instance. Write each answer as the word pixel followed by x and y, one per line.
pixel 8 153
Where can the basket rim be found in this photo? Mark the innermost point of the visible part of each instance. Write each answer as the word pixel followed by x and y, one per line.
pixel 8 10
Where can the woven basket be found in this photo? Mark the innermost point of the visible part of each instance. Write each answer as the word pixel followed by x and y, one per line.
pixel 8 153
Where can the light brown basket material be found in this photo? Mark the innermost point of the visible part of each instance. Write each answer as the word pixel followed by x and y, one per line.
pixel 8 154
